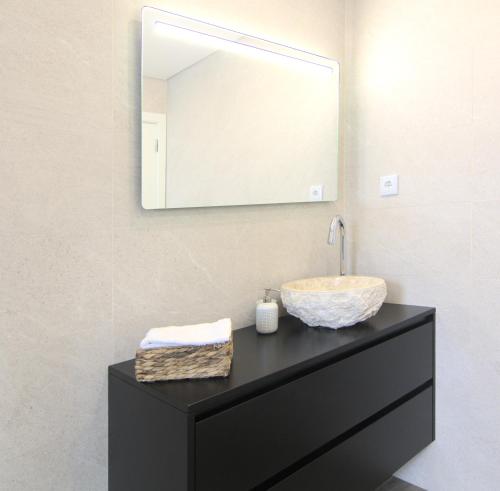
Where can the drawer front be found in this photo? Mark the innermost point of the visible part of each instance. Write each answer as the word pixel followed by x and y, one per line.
pixel 370 457
pixel 241 447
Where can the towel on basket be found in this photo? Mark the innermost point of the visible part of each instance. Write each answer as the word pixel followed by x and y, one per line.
pixel 185 352
pixel 194 335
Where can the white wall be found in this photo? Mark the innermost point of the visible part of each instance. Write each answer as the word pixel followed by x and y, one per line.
pixel 425 104
pixel 84 270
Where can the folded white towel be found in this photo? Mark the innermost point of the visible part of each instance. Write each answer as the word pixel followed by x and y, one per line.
pixel 194 335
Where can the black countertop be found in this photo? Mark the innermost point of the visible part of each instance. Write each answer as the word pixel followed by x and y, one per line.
pixel 262 360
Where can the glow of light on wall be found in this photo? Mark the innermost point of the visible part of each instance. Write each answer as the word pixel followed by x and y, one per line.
pixel 386 66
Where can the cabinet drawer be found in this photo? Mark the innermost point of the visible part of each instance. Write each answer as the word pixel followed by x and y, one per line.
pixel 241 447
pixel 371 456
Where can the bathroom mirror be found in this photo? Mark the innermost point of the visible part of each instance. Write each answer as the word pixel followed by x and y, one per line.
pixel 231 119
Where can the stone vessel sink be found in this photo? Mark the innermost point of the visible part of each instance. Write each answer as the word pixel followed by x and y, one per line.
pixel 334 301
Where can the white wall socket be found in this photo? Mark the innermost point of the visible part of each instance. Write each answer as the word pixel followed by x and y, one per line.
pixel 389 185
pixel 316 192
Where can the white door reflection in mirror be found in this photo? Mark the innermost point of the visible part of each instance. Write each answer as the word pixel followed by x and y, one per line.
pixel 247 121
pixel 153 160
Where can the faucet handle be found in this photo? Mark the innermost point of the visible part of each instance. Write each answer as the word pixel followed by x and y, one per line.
pixel 337 221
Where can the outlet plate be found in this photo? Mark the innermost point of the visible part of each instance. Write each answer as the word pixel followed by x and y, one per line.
pixel 316 192
pixel 389 185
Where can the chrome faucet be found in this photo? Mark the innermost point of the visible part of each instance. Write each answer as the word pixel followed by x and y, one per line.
pixel 338 223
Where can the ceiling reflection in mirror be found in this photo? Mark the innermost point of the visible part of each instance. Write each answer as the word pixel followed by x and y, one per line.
pixel 230 119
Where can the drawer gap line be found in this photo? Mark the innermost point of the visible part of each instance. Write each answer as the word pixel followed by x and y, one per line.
pixel 341 438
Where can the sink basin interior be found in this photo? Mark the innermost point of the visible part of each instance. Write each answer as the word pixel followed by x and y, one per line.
pixel 329 284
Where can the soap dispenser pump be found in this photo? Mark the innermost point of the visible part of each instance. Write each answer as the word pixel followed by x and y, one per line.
pixel 267 313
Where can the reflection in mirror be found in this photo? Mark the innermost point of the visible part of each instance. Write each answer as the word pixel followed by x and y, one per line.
pixel 230 119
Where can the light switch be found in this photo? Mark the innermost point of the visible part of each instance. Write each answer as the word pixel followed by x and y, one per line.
pixel 389 185
pixel 316 192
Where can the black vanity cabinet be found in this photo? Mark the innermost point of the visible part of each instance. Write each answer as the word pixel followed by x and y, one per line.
pixel 305 409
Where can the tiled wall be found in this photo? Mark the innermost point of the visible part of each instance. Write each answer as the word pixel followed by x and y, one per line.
pixel 84 270
pixel 424 103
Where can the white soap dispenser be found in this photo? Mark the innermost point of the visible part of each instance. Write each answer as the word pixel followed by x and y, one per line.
pixel 267 313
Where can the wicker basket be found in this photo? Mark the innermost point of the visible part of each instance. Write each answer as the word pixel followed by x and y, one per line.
pixel 212 360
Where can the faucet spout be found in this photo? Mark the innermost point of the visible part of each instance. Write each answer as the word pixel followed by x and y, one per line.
pixel 337 224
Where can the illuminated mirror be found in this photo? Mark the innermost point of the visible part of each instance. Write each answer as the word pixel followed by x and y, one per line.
pixel 231 119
